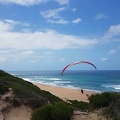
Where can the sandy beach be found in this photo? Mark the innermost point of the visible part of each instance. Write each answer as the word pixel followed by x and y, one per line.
pixel 66 93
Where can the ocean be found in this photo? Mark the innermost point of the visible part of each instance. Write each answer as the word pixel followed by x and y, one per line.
pixel 93 80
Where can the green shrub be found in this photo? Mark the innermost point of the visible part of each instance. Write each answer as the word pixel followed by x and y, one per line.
pixel 108 100
pixel 110 113
pixel 3 89
pixel 103 99
pixel 59 111
pixel 113 111
pixel 43 113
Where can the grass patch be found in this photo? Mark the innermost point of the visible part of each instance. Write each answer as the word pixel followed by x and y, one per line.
pixel 79 105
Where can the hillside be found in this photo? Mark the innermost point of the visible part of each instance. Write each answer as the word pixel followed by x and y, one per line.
pixel 15 92
pixel 25 91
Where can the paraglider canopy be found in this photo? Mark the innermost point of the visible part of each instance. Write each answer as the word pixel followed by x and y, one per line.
pixel 75 63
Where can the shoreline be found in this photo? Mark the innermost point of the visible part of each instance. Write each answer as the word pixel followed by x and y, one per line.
pixel 66 93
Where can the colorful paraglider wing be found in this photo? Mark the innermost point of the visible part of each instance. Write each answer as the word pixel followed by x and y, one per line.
pixel 77 63
pixel 66 68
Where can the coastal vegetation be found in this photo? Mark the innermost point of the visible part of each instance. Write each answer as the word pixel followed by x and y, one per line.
pixel 25 92
pixel 58 111
pixel 46 106
pixel 108 102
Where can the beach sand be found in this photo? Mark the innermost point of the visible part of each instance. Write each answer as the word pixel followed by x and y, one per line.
pixel 66 93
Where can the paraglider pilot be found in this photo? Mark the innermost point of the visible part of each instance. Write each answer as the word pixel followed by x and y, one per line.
pixel 82 91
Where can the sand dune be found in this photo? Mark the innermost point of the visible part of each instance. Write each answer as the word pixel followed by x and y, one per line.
pixel 9 112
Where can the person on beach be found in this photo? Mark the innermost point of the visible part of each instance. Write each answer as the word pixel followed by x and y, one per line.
pixel 82 91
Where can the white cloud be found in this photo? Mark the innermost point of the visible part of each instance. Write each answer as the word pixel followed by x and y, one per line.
pixel 104 59
pixel 48 53
pixel 112 34
pixel 100 16
pixel 9 55
pixel 7 25
pixel 43 40
pixel 52 13
pixel 48 39
pixel 61 59
pixel 114 30
pixel 47 56
pixel 59 21
pixel 62 2
pixel 77 20
pixel 12 22
pixel 23 2
pixel 29 52
pixel 74 9
pixel 112 51
pixel 15 56
pixel 28 42
pixel 2 59
pixel 32 2
pixel 26 30
pixel 33 61
pixel 53 16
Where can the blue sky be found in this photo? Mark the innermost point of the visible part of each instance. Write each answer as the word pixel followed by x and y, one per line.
pixel 49 34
